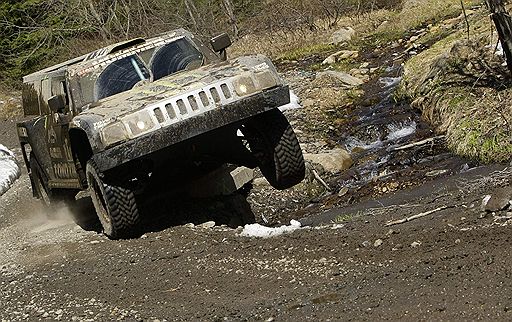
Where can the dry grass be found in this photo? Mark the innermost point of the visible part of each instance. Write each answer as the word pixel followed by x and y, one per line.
pixel 460 86
pixel 294 45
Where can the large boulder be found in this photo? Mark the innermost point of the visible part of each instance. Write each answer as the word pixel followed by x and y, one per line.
pixel 345 80
pixel 334 161
pixel 345 34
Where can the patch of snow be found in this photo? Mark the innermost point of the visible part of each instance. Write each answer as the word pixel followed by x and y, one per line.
pixel 400 131
pixel 9 169
pixel 294 103
pixel 257 230
pixel 499 50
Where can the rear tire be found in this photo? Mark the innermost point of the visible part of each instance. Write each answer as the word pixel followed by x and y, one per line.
pixel 115 205
pixel 54 200
pixel 276 149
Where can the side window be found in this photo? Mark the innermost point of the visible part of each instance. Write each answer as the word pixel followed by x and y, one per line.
pixel 59 88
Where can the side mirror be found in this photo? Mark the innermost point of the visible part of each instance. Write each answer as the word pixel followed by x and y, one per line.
pixel 57 103
pixel 220 43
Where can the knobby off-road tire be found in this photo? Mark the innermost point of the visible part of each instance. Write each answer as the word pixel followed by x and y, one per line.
pixel 54 201
pixel 276 149
pixel 41 191
pixel 115 205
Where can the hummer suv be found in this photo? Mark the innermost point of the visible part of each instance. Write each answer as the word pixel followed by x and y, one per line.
pixel 153 113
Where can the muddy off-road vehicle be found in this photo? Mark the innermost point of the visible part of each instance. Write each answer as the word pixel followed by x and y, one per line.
pixel 153 113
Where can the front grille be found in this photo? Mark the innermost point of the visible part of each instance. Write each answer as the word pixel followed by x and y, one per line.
pixel 191 104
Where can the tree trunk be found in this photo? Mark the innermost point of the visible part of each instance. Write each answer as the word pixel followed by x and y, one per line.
pixel 503 23
pixel 230 12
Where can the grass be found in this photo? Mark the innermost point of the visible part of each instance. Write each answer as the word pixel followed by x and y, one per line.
pixel 347 217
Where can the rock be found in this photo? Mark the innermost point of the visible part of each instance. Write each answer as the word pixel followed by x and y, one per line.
pixel 334 161
pixel 339 56
pixel 501 199
pixel 331 60
pixel 343 35
pixel 208 225
pixel 366 243
pixel 343 192
pixel 416 244
pixel 378 243
pixel 347 79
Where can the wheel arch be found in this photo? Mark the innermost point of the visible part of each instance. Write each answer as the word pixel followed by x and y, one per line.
pixel 82 151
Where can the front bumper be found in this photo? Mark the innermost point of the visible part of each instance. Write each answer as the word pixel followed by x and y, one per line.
pixel 191 127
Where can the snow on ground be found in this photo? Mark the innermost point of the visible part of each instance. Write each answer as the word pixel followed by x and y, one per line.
pixel 9 169
pixel 294 103
pixel 257 230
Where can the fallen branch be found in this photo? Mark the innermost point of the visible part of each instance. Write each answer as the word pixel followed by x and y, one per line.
pixel 317 177
pixel 423 214
pixel 420 143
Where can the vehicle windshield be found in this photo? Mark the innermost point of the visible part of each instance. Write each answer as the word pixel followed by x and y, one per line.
pixel 123 74
pixel 120 76
pixel 174 57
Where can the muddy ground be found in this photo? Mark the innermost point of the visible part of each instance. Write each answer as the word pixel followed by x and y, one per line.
pixel 344 264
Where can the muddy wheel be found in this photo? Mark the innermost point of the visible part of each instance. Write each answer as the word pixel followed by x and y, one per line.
pixel 276 149
pixel 115 205
pixel 40 188
pixel 54 200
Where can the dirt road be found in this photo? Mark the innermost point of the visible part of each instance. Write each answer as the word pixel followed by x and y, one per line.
pixel 453 264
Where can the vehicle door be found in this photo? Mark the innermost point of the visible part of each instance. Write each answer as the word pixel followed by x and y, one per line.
pixel 63 171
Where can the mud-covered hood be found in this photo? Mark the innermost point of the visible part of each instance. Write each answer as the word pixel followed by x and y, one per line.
pixel 149 93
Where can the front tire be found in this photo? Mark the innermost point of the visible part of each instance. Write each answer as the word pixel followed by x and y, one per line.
pixel 276 149
pixel 115 205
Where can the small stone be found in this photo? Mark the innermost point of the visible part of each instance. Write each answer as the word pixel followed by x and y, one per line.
pixel 343 192
pixel 95 242
pixel 378 243
pixel 58 312
pixel 366 243
pixel 189 225
pixel 498 201
pixel 416 244
pixel 457 241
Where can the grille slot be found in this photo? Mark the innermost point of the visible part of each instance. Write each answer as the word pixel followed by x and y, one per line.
pixel 215 94
pixel 170 111
pixel 193 103
pixel 181 106
pixel 159 115
pixel 204 99
pixel 225 91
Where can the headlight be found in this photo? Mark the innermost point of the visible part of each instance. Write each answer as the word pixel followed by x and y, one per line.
pixel 244 85
pixel 114 133
pixel 129 127
pixel 251 83
pixel 139 123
